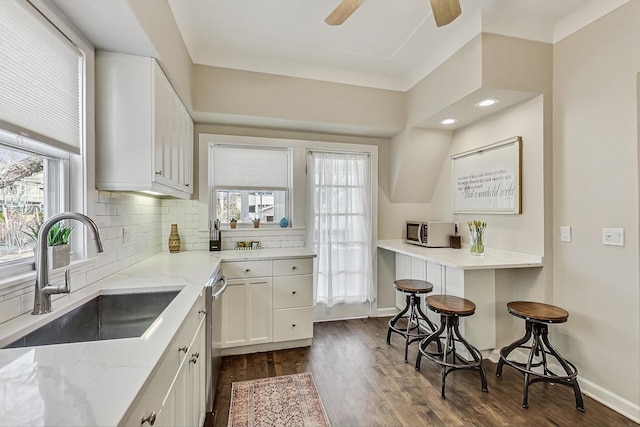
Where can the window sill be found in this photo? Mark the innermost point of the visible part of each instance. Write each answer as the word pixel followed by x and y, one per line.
pixel 30 277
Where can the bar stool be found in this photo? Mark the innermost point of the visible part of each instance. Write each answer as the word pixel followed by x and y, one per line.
pixel 451 308
pixel 414 331
pixel 537 316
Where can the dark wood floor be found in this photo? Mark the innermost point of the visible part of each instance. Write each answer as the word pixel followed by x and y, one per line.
pixel 364 382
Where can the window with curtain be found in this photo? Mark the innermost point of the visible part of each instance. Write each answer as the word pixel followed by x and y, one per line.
pixel 41 110
pixel 250 183
pixel 339 226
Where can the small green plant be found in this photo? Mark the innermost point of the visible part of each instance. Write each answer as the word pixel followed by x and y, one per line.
pixel 233 220
pixel 58 235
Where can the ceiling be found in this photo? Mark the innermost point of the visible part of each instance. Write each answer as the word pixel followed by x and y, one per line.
pixel 389 44
pixel 385 44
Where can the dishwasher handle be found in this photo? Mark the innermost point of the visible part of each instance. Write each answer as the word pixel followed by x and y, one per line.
pixel 217 293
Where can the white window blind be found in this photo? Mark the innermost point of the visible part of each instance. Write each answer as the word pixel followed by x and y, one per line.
pixel 235 167
pixel 40 78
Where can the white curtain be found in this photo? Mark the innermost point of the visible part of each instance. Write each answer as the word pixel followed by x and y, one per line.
pixel 339 219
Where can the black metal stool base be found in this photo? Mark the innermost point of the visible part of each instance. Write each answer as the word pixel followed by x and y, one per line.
pixel 540 348
pixel 414 331
pixel 449 359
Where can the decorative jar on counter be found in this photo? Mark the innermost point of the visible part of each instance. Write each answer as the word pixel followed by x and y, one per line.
pixel 174 239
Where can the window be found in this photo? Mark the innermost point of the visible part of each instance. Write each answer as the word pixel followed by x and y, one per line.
pixel 41 126
pixel 250 183
pixel 32 184
pixel 340 225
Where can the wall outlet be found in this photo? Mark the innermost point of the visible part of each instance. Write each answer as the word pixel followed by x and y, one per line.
pixel 565 233
pixel 126 235
pixel 613 236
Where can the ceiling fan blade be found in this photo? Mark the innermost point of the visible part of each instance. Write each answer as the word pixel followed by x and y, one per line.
pixel 445 11
pixel 343 11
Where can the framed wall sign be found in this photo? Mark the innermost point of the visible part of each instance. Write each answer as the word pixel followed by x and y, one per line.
pixel 488 179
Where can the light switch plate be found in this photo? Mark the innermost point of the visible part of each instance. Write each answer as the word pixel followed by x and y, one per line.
pixel 565 233
pixel 613 236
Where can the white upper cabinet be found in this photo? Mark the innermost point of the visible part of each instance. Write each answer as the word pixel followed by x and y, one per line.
pixel 144 134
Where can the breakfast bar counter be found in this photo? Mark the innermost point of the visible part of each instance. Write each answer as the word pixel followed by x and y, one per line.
pixel 457 272
pixel 461 258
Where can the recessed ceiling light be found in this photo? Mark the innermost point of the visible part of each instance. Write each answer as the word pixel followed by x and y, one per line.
pixel 487 102
pixel 448 121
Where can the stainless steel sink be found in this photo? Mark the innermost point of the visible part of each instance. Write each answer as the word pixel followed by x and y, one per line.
pixel 105 317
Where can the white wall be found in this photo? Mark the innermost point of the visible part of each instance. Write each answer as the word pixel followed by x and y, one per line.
pixel 595 178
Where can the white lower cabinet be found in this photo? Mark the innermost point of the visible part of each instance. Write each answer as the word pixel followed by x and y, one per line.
pixel 175 393
pixel 247 312
pixel 267 302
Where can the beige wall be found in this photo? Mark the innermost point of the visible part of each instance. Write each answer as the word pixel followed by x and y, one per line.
pixel 458 76
pixel 520 233
pixel 596 185
pixel 248 98
pixel 158 22
pixel 417 156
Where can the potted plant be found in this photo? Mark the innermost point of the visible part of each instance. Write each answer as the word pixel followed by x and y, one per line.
pixel 59 249
pixel 256 222
pixel 233 223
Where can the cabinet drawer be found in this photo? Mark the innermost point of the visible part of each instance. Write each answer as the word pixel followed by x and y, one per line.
pixel 244 269
pixel 292 291
pixel 288 267
pixel 292 324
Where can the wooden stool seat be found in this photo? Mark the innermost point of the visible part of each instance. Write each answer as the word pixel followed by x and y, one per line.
pixel 418 324
pixel 451 308
pixel 537 318
pixel 449 304
pixel 413 286
pixel 537 311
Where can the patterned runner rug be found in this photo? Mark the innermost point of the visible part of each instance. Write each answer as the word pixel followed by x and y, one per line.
pixel 288 400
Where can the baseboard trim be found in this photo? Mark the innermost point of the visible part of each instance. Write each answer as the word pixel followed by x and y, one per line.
pixel 613 401
pixel 271 346
pixel 386 312
pixel 619 404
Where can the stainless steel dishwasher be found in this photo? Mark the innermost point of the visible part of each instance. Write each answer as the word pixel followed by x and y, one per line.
pixel 216 287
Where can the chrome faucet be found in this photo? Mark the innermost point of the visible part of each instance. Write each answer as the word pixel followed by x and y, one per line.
pixel 43 291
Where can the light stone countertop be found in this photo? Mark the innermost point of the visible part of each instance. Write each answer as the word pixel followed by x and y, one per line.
pixel 94 383
pixel 461 258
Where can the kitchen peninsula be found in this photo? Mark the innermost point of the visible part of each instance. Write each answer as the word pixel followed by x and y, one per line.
pixel 457 272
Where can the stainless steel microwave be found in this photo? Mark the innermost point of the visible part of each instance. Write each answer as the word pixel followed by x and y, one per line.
pixel 432 234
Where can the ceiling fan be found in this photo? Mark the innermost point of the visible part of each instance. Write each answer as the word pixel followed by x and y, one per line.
pixel 444 11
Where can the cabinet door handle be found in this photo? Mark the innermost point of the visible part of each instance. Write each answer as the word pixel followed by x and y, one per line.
pixel 151 419
pixel 293 293
pixel 294 267
pixel 184 348
pixel 158 172
pixel 247 270
pixel 194 358
pixel 293 325
pixel 186 185
pixel 202 312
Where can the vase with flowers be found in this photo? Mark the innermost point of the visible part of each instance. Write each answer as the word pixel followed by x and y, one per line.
pixel 476 232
